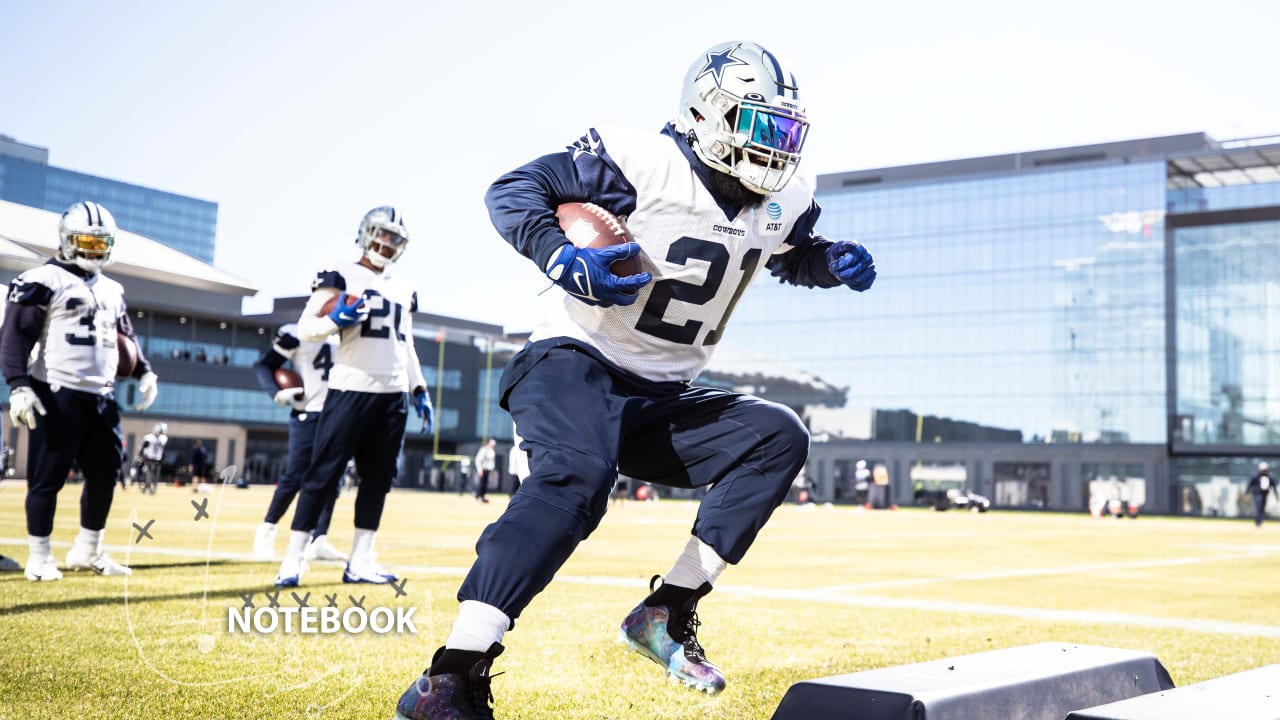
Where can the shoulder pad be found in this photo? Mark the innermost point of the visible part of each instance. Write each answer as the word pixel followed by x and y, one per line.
pixel 26 292
pixel 285 337
pixel 329 279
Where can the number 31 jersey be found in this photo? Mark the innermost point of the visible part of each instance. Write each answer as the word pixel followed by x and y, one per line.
pixel 77 348
pixel 701 259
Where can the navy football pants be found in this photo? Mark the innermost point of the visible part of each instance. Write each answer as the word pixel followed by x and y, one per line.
pixel 80 427
pixel 302 437
pixel 368 427
pixel 583 420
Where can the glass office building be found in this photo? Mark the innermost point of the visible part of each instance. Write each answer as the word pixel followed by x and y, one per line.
pixel 1115 306
pixel 183 223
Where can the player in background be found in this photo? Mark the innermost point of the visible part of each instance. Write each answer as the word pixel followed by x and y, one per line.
pixel 58 354
pixel 603 385
pixel 7 564
pixel 375 370
pixel 151 453
pixel 312 361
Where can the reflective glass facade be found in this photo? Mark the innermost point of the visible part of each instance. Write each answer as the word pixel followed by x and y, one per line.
pixel 1031 301
pixel 1115 307
pixel 1228 334
pixel 184 223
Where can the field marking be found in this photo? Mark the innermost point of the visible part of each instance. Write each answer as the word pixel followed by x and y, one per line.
pixel 1251 553
pixel 832 597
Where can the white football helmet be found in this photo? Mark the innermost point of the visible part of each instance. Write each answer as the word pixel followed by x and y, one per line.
pixel 382 230
pixel 86 234
pixel 742 110
pixel 160 428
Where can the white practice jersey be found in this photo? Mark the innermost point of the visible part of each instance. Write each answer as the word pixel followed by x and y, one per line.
pixel 376 355
pixel 701 261
pixel 312 360
pixel 77 348
pixel 153 446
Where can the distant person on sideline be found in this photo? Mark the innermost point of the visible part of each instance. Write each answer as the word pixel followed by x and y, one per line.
pixel 1259 486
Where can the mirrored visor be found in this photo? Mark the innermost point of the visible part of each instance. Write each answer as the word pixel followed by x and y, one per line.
pixel 765 128
pixel 85 242
pixel 387 237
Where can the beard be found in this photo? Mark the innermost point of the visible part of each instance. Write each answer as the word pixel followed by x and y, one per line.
pixel 727 187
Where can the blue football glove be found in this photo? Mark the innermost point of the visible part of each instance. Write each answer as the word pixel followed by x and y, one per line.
pixel 344 315
pixel 584 273
pixel 851 264
pixel 422 406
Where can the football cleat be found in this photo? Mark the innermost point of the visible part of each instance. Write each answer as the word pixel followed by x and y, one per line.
pixel 668 636
pixel 447 695
pixel 43 571
pixel 8 564
pixel 291 572
pixel 264 542
pixel 321 549
pixel 367 571
pixel 80 557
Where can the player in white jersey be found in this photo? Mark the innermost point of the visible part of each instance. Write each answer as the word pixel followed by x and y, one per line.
pixel 603 386
pixel 59 357
pixel 312 361
pixel 151 453
pixel 375 370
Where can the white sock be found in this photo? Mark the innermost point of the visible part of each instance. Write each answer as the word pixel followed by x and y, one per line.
pixel 297 543
pixel 318 539
pixel 266 524
pixel 362 546
pixel 477 627
pixel 91 539
pixel 39 550
pixel 698 563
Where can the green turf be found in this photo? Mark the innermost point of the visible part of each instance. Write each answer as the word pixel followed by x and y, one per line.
pixel 824 591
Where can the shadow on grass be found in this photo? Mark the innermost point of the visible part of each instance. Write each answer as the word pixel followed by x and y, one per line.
pixel 235 595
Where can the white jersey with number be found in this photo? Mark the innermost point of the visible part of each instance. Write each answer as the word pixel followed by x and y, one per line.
pixel 376 355
pixel 701 261
pixel 311 360
pixel 77 347
pixel 153 446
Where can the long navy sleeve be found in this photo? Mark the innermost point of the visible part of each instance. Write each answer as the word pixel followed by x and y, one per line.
pixel 265 369
pixel 21 331
pixel 806 263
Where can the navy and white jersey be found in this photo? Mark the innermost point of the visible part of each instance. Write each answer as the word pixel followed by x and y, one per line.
pixel 312 360
pixel 153 446
pixel 76 347
pixel 376 355
pixel 702 254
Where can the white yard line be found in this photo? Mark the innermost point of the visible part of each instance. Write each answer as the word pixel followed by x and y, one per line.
pixel 832 596
pixel 1250 553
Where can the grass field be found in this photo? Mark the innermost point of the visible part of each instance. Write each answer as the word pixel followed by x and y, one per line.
pixel 824 591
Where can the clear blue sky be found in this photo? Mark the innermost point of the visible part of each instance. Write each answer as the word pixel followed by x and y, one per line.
pixel 298 117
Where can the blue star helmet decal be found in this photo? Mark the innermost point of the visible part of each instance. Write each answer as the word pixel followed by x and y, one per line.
pixel 717 62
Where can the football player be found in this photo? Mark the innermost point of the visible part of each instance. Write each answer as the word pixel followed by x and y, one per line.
pixel 312 361
pixel 603 385
pixel 151 453
pixel 375 370
pixel 58 353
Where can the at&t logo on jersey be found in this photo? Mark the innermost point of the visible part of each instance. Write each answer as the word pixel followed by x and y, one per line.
pixel 774 211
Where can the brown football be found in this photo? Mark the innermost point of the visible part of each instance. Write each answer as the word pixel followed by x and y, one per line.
pixel 589 225
pixel 287 379
pixel 126 354
pixel 333 301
